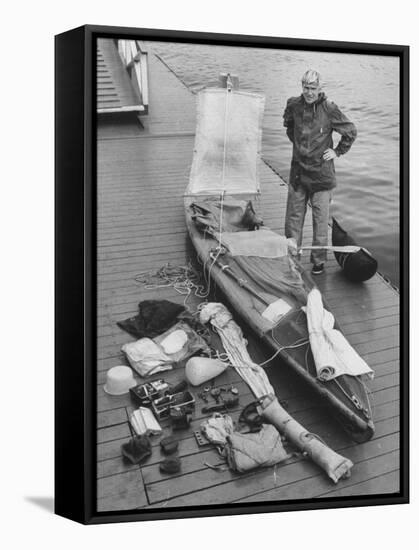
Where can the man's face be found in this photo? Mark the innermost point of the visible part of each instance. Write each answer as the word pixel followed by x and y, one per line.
pixel 311 91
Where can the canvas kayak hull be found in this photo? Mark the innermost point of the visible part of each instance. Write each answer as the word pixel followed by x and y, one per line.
pixel 347 395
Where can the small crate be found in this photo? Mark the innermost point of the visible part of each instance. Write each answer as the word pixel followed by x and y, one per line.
pixel 163 405
pixel 143 394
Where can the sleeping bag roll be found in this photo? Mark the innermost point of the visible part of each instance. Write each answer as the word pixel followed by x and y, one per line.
pixel 357 266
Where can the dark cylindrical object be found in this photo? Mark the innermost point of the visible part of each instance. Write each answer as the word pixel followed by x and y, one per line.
pixel 357 266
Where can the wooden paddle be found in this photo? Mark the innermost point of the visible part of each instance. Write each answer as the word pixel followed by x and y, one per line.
pixel 349 249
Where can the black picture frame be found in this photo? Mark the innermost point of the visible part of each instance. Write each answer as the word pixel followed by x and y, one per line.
pixel 75 272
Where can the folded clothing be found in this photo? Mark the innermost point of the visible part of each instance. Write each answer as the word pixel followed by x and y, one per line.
pixel 146 357
pixel 137 449
pixel 154 317
pixel 248 451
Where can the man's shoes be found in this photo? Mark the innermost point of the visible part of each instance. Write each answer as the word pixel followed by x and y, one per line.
pixel 317 269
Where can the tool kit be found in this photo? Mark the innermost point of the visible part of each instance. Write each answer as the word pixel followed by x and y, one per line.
pixel 143 394
pixel 163 405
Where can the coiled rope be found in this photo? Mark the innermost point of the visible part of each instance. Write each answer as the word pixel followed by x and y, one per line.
pixel 184 279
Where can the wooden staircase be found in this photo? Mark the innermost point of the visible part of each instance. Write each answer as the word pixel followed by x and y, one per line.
pixel 115 92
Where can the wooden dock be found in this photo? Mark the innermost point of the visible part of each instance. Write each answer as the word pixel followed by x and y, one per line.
pixel 142 174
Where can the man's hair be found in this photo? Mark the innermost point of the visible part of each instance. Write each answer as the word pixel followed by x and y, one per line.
pixel 311 77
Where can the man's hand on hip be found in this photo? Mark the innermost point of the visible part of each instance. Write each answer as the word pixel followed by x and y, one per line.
pixel 329 154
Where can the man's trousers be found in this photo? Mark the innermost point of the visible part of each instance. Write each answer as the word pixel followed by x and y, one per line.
pixel 296 211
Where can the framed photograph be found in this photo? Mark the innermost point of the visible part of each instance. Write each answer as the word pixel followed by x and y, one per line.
pixel 231 274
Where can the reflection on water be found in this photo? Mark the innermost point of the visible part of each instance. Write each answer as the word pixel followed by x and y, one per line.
pixel 366 201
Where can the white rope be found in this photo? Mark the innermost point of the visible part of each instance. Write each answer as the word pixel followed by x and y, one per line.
pixel 223 190
pixel 208 277
pixel 228 91
pixel 183 279
pixel 221 222
pixel 296 344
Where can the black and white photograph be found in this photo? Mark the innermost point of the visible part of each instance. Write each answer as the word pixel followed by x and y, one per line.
pixel 210 272
pixel 249 274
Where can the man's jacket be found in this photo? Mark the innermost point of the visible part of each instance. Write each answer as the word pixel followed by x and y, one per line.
pixel 310 128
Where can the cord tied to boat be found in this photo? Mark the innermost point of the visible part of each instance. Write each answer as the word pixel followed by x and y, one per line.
pixel 217 251
pixel 355 400
pixel 229 83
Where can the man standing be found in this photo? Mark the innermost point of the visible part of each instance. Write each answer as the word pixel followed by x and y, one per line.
pixel 310 120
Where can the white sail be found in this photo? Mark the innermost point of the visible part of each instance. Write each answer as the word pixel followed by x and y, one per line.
pixel 227 143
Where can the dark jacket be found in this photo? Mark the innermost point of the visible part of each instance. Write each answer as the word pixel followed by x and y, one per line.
pixel 310 128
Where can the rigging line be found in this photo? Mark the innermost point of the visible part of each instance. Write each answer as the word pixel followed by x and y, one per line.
pixel 226 113
pixel 207 275
pixel 221 223
pixel 306 359
pixel 220 229
pixel 369 395
pixel 351 397
pixel 228 91
pixel 209 269
pixel 214 260
pixel 297 344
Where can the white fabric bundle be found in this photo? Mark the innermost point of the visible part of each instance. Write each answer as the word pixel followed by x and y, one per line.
pixel 180 342
pixel 333 355
pixel 146 357
pixel 174 342
pixel 218 428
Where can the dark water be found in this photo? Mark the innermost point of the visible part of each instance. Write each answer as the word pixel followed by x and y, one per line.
pixel 366 88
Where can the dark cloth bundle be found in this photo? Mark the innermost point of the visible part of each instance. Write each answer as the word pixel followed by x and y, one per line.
pixel 137 449
pixel 154 317
pixel 250 417
pixel 170 465
pixel 169 445
pixel 196 325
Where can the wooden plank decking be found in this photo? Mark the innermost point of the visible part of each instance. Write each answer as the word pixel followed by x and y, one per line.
pixel 141 179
